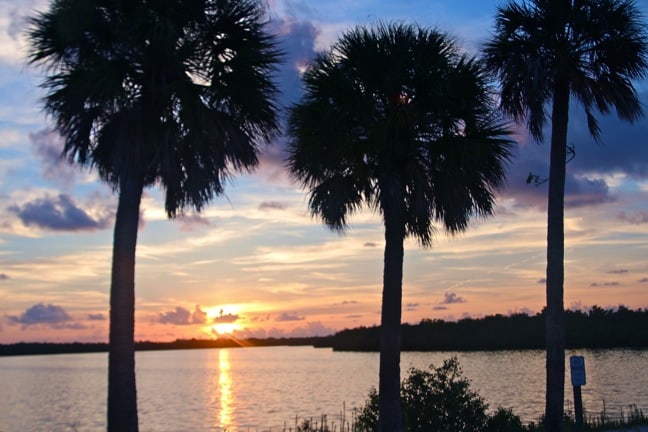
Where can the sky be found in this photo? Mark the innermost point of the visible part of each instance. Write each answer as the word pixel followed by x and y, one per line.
pixel 256 263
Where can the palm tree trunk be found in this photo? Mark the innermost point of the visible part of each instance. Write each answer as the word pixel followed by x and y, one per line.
pixel 555 320
pixel 389 403
pixel 122 392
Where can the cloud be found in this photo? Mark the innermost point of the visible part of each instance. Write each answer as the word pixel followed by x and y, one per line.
pixel 97 317
pixel 59 213
pixel 542 281
pixel 189 222
pixel 635 218
pixel 48 315
pixel 271 205
pixel 182 316
pixel 452 298
pixel 437 308
pixel 48 146
pixel 287 316
pixel 297 40
pixel 3 276
pixel 618 271
pixel 643 280
pixel 370 244
pixel 412 306
pixel 315 328
pixel 605 284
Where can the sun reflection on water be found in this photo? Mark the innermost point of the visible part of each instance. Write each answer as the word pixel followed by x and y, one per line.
pixel 224 388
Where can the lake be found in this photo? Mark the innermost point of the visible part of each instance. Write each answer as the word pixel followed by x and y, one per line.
pixel 263 389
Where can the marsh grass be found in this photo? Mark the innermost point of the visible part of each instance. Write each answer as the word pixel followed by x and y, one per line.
pixel 502 420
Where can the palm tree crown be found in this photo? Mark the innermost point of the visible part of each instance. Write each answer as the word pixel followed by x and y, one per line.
pixel 598 45
pixel 176 92
pixel 397 119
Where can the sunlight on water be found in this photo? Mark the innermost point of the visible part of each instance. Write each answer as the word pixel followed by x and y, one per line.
pixel 261 389
pixel 224 388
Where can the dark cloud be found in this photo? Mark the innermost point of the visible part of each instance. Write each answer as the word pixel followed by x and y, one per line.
pixel 58 214
pixel 370 244
pixel 48 315
pixel 97 317
pixel 346 302
pixel 437 308
pixel 179 316
pixel 297 42
pixel 271 205
pixel 618 271
pixel 637 217
pixel 182 316
pixel 643 280
pixel 288 316
pixel 452 298
pixel 48 147
pixel 542 281
pixel 623 148
pixel 605 284
pixel 3 276
pixel 579 190
pixel 411 306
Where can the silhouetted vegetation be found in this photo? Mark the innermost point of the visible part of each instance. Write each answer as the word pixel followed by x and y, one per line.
pixel 34 348
pixel 441 399
pixel 596 328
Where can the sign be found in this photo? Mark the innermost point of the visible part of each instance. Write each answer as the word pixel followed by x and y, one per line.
pixel 577 365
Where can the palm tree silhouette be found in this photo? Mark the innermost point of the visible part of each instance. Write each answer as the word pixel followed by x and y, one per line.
pixel 397 119
pixel 543 52
pixel 176 93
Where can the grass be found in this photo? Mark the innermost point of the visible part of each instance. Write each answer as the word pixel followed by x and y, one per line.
pixel 627 419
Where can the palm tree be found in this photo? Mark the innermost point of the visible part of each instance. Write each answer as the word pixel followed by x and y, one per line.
pixel 396 118
pixel 543 52
pixel 176 93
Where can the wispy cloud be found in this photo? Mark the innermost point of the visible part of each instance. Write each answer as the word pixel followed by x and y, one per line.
pixel 637 217
pixel 289 316
pixel 605 284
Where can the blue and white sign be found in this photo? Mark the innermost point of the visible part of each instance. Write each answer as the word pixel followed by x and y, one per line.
pixel 577 365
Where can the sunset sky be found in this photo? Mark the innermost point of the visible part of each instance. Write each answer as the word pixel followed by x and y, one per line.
pixel 257 263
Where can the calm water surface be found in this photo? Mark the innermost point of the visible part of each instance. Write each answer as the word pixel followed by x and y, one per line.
pixel 261 389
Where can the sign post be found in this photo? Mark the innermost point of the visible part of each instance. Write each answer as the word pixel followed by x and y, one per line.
pixel 577 366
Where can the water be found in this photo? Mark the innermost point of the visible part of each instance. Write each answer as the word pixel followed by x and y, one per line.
pixel 262 389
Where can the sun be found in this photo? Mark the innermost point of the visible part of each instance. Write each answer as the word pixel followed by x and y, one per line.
pixel 225 328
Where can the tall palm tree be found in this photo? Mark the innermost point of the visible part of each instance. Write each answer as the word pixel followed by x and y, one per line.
pixel 177 93
pixel 543 52
pixel 396 118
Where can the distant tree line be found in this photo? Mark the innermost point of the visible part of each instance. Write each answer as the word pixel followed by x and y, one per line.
pixel 596 328
pixel 36 348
